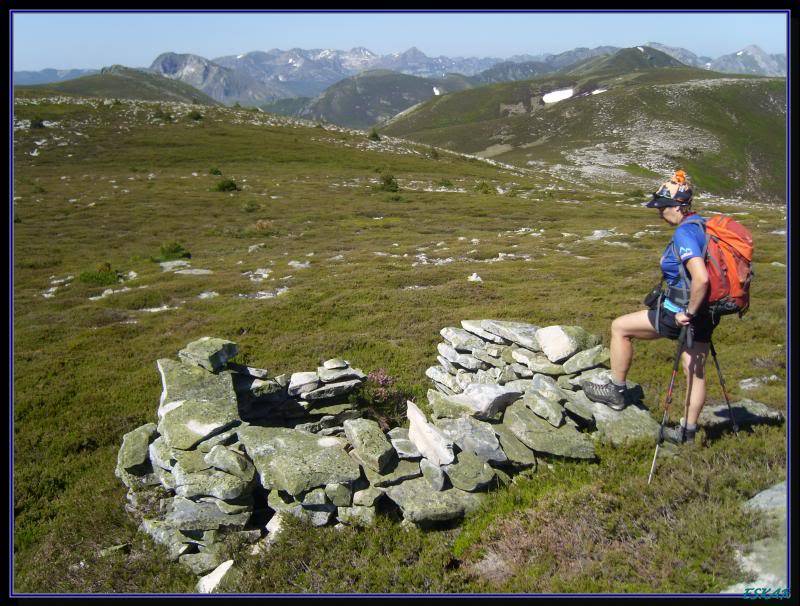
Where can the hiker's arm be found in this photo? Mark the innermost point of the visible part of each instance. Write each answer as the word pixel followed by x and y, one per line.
pixel 697 270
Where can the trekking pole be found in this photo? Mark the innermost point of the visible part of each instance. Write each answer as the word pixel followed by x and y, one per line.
pixel 734 426
pixel 689 345
pixel 667 402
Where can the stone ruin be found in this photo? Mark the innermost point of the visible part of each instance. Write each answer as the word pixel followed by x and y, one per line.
pixel 235 451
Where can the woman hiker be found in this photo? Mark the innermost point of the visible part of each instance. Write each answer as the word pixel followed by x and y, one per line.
pixel 680 305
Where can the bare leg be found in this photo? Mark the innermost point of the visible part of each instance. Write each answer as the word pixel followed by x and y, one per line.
pixel 630 326
pixel 694 364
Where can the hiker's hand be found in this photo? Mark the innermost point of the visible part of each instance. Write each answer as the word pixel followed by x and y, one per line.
pixel 681 319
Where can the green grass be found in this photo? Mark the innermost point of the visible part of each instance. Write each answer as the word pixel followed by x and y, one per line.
pixel 84 375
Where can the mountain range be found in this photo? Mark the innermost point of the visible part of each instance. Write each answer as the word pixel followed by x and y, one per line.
pixel 264 76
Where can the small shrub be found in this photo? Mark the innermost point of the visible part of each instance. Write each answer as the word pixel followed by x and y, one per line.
pixel 250 206
pixel 38 189
pixel 172 251
pixel 382 399
pixel 395 198
pixel 226 185
pixel 263 225
pixel 194 115
pixel 17 219
pixel 237 105
pixel 37 123
pixel 433 153
pixel 445 183
pixel 374 136
pixel 215 171
pixel 483 188
pixel 388 183
pixel 116 102
pixel 103 275
pixel 636 193
pixel 160 114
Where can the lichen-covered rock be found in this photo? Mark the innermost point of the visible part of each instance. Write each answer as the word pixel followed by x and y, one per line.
pixel 220 579
pixel 185 514
pixel 335 363
pixel 466 361
pixel 421 505
pixel 160 454
pixel 486 400
pixel 181 382
pixel 589 358
pixel 745 411
pixel 340 495
pixel 335 375
pixel 356 515
pixel 474 326
pixel 441 377
pixel 398 470
pixel 297 461
pixel 202 562
pixel 370 443
pixel 546 408
pixel 164 533
pixel 460 339
pixel 580 410
pixel 536 362
pixel 516 452
pixel 134 454
pixel 302 382
pixel 210 353
pixel 429 440
pixel 443 405
pixel 473 436
pixel 470 473
pixel 560 342
pixel 231 462
pixel 521 333
pixel 404 447
pixel 538 435
pixel 433 473
pixel 196 420
pixel 368 496
pixel 484 356
pixel 209 482
pixel 331 390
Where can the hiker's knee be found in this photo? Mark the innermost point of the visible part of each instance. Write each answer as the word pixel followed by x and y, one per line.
pixel 618 327
pixel 693 363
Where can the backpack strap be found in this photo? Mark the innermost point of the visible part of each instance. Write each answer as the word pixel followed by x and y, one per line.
pixel 679 295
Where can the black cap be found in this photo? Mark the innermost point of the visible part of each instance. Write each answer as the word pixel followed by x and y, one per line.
pixel 663 197
pixel 662 202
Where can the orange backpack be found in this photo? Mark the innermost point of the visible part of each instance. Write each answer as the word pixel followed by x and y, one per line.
pixel 728 255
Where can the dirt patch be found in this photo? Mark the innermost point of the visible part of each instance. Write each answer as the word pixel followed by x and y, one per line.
pixel 495 150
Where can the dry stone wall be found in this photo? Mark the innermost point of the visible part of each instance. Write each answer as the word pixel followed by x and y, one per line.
pixel 234 451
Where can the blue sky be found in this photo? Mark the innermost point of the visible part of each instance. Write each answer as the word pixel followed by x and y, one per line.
pixel 92 40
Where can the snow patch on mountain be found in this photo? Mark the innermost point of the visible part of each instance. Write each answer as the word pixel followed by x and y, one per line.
pixel 558 95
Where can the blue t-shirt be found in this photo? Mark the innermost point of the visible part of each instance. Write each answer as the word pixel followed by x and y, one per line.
pixel 690 239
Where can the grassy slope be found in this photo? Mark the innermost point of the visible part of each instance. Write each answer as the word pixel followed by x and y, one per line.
pixel 373 96
pixel 125 84
pixel 742 117
pixel 83 377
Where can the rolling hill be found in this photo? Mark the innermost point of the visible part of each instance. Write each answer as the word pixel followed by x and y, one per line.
pixel 634 115
pixel 376 95
pixel 125 83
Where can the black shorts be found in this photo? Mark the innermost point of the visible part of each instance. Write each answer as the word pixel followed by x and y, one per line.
pixel 703 325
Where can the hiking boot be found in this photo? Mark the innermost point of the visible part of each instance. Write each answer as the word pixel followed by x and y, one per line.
pixel 608 393
pixel 679 435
